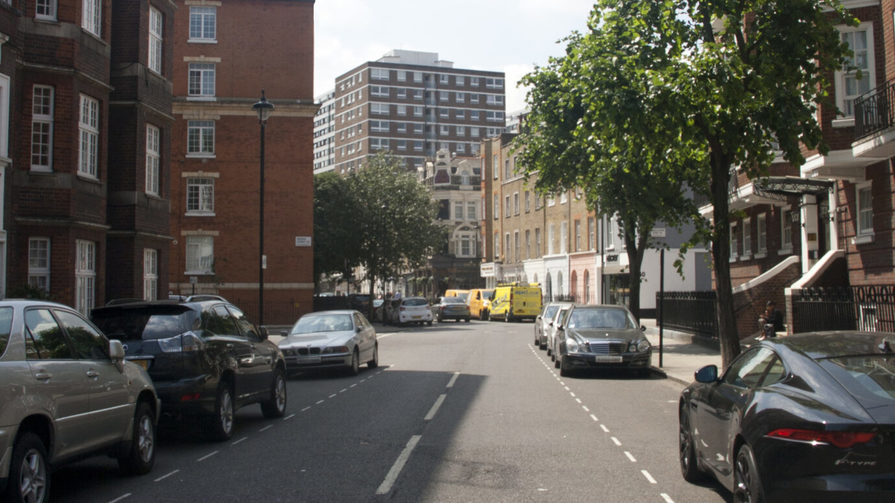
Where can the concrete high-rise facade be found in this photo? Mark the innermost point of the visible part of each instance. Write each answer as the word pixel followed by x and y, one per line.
pixel 413 104
pixel 324 134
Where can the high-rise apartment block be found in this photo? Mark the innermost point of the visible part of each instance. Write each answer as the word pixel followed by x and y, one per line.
pixel 324 133
pixel 412 104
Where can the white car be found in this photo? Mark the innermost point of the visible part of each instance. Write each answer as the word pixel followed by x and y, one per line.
pixel 550 329
pixel 327 339
pixel 414 310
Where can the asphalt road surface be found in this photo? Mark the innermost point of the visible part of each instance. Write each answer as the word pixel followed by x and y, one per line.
pixel 456 412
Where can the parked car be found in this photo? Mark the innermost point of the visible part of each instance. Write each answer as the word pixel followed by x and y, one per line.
pixel 330 339
pixel 804 417
pixel 593 336
pixel 550 329
pixel 543 321
pixel 478 302
pixel 67 392
pixel 205 357
pixel 451 308
pixel 413 310
pixel 515 301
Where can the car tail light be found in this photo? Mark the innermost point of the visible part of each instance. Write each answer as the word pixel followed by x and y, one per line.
pixel 182 343
pixel 402 308
pixel 841 439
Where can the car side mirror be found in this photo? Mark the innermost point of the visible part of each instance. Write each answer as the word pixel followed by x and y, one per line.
pixel 642 328
pixel 707 374
pixel 116 353
pixel 262 333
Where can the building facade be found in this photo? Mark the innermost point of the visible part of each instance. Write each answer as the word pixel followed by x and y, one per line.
pixel 324 133
pixel 221 68
pixel 86 179
pixel 413 104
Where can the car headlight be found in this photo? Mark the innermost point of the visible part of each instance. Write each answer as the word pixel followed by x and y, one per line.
pixel 335 350
pixel 638 346
pixel 571 345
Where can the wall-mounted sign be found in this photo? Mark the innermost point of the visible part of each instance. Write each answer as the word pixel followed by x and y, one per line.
pixel 302 240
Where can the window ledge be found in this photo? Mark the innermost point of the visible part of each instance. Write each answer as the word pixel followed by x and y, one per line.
pixel 863 239
pixel 761 254
pixel 200 156
pixel 201 98
pixel 846 122
pixel 198 273
pixel 199 214
pixel 202 41
pixel 785 251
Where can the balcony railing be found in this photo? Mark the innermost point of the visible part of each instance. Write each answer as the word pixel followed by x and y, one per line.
pixel 875 111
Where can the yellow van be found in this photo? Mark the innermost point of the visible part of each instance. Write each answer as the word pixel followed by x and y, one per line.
pixel 516 301
pixel 463 294
pixel 478 301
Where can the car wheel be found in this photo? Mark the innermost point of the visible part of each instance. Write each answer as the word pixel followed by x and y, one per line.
pixel 687 451
pixel 221 422
pixel 427 323
pixel 140 456
pixel 549 351
pixel 29 477
pixel 563 367
pixel 486 316
pixel 467 320
pixel 746 481
pixel 372 364
pixel 354 369
pixel 276 405
pixel 507 316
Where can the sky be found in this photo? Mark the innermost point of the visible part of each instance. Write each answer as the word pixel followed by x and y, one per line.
pixel 511 36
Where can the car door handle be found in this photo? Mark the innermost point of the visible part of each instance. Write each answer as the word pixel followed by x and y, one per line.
pixel 92 374
pixel 43 375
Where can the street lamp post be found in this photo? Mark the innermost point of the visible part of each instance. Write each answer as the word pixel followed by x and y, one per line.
pixel 263 108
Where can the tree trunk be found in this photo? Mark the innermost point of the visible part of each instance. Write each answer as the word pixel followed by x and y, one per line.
pixel 727 330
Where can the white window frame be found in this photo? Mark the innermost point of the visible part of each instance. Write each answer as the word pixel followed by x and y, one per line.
pixel 844 100
pixel 88 128
pixel 551 237
pixel 156 39
pixel 200 138
pixel 863 213
pixel 42 126
pixel 46 9
pixel 85 276
pixel 153 159
pixel 379 108
pixel 471 210
pixel 761 235
pixel 150 274
pixel 747 238
pixel 203 24
pixel 200 196
pixel 201 80
pixel 39 263
pixel 199 255
pixel 786 231
pixel 379 73
pixel 92 17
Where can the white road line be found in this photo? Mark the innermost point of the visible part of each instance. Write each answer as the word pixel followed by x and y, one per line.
pixel 648 476
pixel 578 400
pixel 566 388
pixel 604 428
pixel 393 473
pixel 343 390
pixel 435 407
pixel 594 418
pixel 319 402
pixel 126 495
pixel 333 395
pixel 290 416
pixel 266 428
pixel 572 393
pixel 243 439
pixel 306 408
pixel 353 385
pixel 203 458
pixel 163 477
pixel 616 441
pixel 453 380
pixel 630 456
pixel 666 497
pixel 585 408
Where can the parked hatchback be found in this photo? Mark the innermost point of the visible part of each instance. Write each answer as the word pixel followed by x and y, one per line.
pixel 414 310
pixel 66 391
pixel 206 358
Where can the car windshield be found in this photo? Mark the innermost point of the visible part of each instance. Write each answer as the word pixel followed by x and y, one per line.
pixel 870 379
pixel 145 324
pixel 488 294
pixel 417 301
pixel 599 318
pixel 452 300
pixel 322 323
pixel 550 312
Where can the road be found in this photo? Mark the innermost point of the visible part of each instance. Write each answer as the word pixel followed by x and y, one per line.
pixel 456 412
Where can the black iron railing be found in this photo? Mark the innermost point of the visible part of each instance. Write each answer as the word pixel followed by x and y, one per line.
pixel 874 111
pixel 692 312
pixel 870 308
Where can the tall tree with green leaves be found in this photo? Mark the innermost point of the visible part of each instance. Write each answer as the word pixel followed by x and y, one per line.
pixel 336 241
pixel 721 85
pixel 394 218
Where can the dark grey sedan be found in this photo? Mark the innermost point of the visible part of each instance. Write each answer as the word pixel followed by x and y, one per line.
pixel 601 336
pixel 451 308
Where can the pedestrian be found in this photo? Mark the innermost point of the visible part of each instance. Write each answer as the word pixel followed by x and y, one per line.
pixel 771 321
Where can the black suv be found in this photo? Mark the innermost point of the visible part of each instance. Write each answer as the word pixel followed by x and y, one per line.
pixel 205 357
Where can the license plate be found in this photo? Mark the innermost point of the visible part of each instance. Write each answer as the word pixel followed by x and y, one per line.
pixel 309 359
pixel 417 317
pixel 608 359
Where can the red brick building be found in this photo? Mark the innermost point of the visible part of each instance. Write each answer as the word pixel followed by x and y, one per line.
pixel 225 54
pixel 90 84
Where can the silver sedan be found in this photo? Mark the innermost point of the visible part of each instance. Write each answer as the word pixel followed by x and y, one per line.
pixel 330 339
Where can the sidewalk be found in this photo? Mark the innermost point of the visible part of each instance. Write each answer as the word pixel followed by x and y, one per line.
pixel 680 356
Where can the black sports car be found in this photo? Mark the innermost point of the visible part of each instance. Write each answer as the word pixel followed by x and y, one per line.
pixel 810 415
